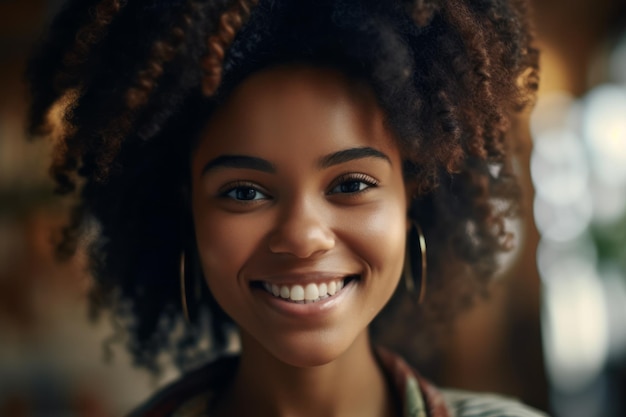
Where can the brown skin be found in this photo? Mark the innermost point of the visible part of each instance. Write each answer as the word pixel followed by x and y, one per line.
pixel 301 222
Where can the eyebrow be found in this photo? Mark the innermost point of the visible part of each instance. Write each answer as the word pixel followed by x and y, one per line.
pixel 350 155
pixel 239 161
pixel 260 164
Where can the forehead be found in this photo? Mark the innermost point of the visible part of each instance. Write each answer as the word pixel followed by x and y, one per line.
pixel 315 109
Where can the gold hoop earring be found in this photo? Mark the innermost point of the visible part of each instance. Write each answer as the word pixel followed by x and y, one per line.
pixel 409 276
pixel 183 288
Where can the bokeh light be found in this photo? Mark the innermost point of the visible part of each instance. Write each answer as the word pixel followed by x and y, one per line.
pixel 604 130
pixel 559 167
pixel 575 324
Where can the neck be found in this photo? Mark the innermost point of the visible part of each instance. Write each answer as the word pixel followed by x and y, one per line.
pixel 352 384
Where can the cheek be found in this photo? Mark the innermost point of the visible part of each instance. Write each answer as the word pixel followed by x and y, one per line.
pixel 224 247
pixel 380 237
pixel 225 244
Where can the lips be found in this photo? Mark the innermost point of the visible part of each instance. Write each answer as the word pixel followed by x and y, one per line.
pixel 305 293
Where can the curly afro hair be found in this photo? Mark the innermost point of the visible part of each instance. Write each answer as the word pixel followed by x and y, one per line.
pixel 135 81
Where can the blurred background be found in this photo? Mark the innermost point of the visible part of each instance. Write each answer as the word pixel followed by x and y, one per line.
pixel 553 332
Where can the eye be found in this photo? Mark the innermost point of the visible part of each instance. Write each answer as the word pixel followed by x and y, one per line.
pixel 353 184
pixel 244 192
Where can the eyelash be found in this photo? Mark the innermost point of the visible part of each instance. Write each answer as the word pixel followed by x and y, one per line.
pixel 352 178
pixel 342 180
pixel 239 185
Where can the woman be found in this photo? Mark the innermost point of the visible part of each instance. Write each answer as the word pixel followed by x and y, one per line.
pixel 296 157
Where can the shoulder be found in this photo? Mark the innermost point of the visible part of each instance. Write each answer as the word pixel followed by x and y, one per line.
pixel 190 395
pixel 469 404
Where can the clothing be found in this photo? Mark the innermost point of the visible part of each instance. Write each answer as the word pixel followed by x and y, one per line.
pixel 192 396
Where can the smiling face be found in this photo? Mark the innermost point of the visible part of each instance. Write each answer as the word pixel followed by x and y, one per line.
pixel 300 212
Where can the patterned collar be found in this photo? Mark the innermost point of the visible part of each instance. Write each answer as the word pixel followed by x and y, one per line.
pixel 419 397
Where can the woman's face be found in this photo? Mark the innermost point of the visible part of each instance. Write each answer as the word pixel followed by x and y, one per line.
pixel 300 211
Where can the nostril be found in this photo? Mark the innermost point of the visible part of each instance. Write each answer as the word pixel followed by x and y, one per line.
pixel 303 242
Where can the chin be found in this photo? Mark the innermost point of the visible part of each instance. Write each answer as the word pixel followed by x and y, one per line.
pixel 309 358
pixel 307 352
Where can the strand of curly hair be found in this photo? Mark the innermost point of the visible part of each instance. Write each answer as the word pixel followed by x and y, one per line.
pixel 77 30
pixel 230 23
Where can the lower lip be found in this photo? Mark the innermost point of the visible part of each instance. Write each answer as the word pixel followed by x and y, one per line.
pixel 303 310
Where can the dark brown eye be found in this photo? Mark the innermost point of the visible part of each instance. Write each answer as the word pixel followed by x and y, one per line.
pixel 353 183
pixel 352 186
pixel 245 193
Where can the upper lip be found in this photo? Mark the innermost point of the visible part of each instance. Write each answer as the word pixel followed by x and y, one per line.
pixel 292 278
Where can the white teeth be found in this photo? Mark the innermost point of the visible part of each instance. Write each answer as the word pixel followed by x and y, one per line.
pixel 296 293
pixel 323 290
pixel 312 292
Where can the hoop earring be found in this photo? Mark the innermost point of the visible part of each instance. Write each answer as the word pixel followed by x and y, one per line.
pixel 183 288
pixel 409 277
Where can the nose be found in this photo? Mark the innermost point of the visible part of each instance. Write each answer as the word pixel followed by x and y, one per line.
pixel 301 230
